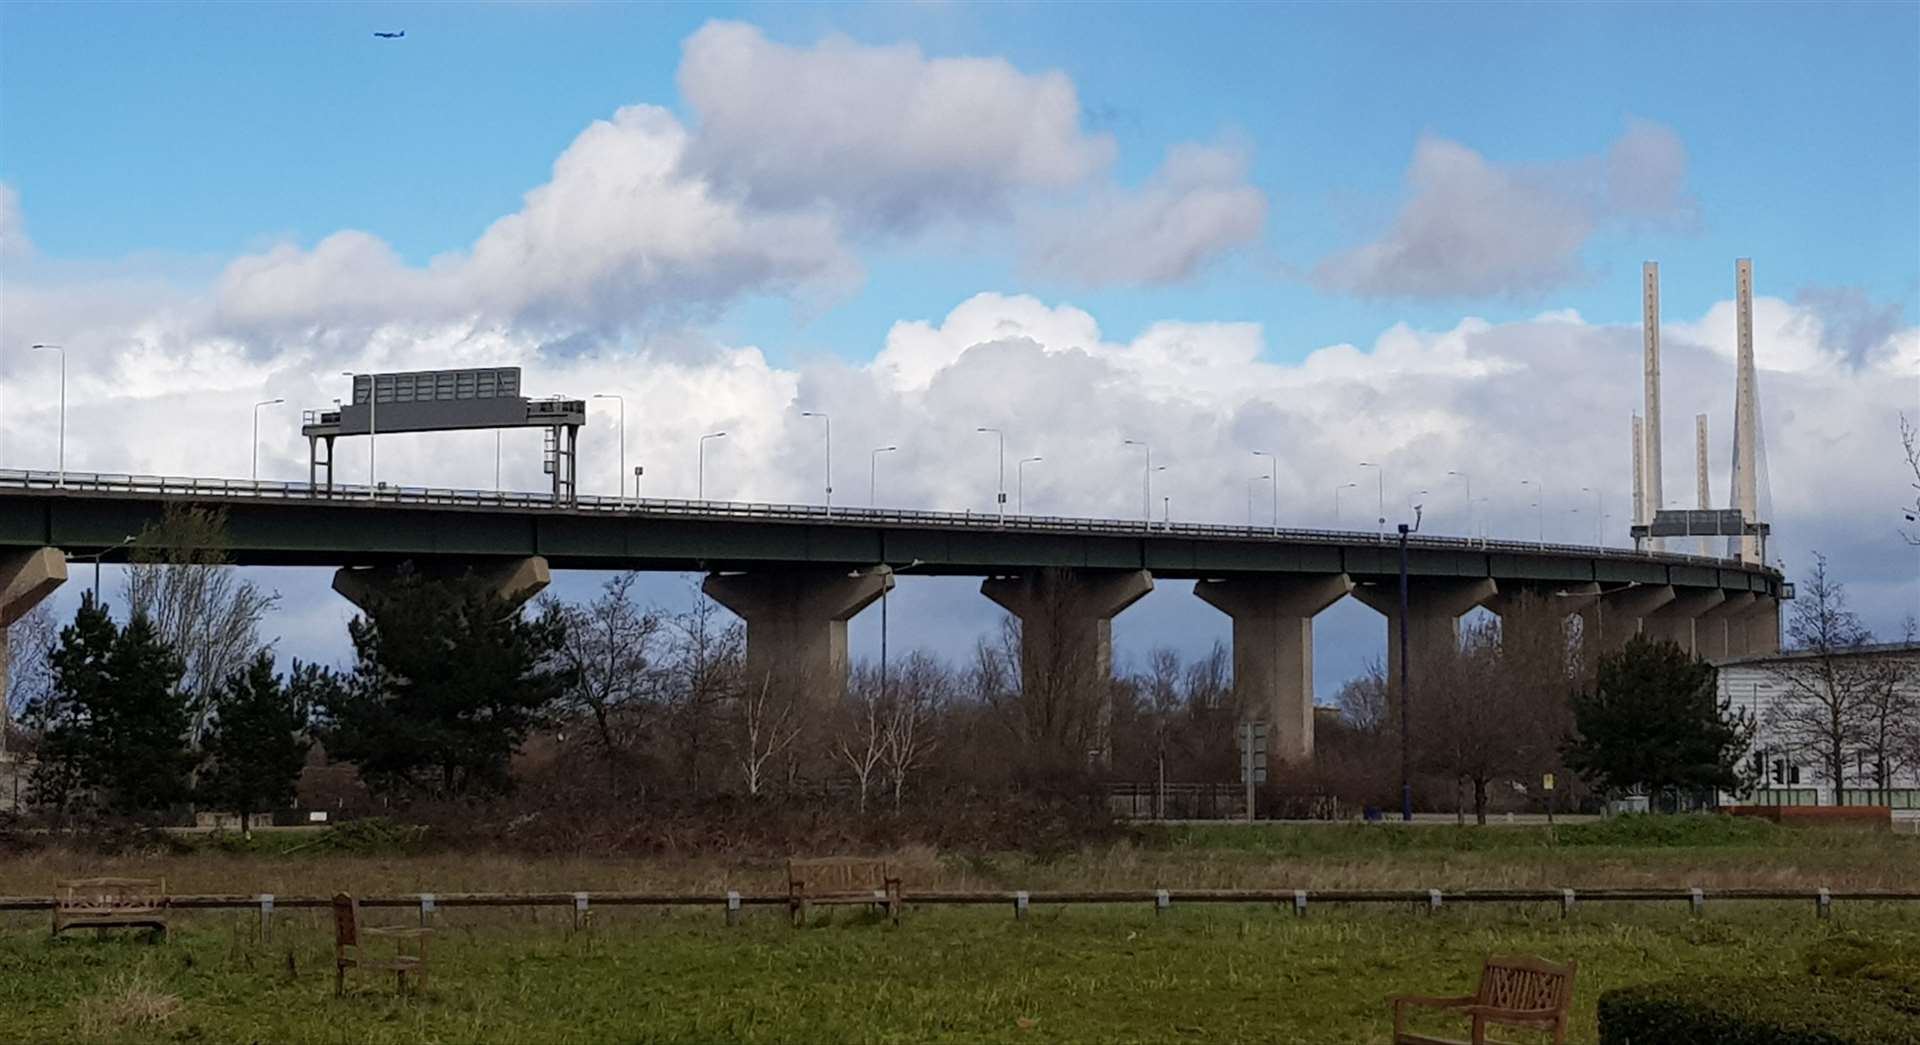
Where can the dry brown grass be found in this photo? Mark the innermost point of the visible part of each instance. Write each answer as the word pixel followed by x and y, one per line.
pixel 126 1004
pixel 1861 864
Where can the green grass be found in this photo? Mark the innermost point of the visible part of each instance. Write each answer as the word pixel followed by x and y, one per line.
pixel 1243 973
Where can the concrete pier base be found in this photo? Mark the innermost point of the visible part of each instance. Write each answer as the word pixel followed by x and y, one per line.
pixel 1273 652
pixel 1434 608
pixel 1622 612
pixel 1720 632
pixel 1066 633
pixel 25 579
pixel 797 625
pixel 1678 621
pixel 515 580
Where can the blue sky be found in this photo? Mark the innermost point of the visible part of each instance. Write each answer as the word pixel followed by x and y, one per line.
pixel 207 130
pixel 154 153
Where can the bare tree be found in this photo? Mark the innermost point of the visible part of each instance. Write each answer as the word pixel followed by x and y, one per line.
pixel 1062 707
pixel 860 738
pixel 181 579
pixel 29 671
pixel 701 674
pixel 1892 711
pixel 914 703
pixel 610 645
pixel 767 723
pixel 1910 448
pixel 1362 701
pixel 1828 695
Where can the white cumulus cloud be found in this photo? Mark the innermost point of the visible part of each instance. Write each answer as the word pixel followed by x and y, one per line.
pixel 886 136
pixel 1196 207
pixel 1474 228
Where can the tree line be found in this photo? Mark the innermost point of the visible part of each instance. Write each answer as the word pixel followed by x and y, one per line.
pixel 455 694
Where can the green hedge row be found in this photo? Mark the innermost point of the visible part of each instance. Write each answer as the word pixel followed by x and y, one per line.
pixel 1786 1010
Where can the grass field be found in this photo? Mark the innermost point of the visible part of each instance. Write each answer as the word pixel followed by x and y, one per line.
pixel 1081 974
pixel 1076 975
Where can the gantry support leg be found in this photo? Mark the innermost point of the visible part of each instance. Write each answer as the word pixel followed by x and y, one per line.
pixel 1434 608
pixel 515 580
pixel 1678 621
pixel 1066 642
pixel 1273 652
pixel 797 625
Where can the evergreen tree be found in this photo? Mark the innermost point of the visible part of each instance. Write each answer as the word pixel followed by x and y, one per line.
pixel 67 767
pixel 256 744
pixel 1654 723
pixel 145 723
pixel 115 722
pixel 449 681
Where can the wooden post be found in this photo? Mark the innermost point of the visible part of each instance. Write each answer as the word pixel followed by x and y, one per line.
pixel 266 917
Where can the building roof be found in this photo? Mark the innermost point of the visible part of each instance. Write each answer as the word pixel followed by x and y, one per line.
pixel 1871 649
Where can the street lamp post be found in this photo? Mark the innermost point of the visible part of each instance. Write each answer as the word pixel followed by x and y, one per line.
pixel 1146 480
pixel 1020 484
pixel 1599 518
pixel 256 435
pixel 1406 688
pixel 700 468
pixel 96 557
pixel 873 469
pixel 639 471
pixel 1336 500
pixel 1273 473
pixel 1380 475
pixel 63 406
pixel 1462 476
pixel 1250 481
pixel 1000 498
pixel 622 476
pixel 1539 505
pixel 373 422
pixel 829 425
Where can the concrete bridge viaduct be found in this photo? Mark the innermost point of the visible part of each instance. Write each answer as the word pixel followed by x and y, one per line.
pixel 796 574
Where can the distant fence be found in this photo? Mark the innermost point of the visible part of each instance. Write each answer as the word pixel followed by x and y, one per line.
pixel 733 903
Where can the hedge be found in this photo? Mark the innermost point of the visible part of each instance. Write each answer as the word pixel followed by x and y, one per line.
pixel 1784 1010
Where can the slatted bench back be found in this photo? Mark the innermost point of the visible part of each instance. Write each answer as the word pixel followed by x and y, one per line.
pixel 1526 983
pixel 835 875
pixel 111 896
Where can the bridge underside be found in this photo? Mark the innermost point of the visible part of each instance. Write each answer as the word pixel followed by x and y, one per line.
pixel 798 582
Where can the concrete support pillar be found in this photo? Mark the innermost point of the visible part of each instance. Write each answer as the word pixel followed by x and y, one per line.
pixel 797 625
pixel 1273 652
pixel 1621 612
pixel 25 579
pixel 1678 621
pixel 1760 625
pixel 1434 608
pixel 515 580
pixel 1719 633
pixel 1066 630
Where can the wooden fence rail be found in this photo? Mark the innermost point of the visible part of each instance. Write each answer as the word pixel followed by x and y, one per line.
pixel 1160 898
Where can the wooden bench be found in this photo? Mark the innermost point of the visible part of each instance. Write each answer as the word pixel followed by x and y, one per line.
pixel 1514 992
pixel 350 948
pixel 112 903
pixel 841 880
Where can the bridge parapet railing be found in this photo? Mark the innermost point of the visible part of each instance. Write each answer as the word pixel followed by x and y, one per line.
pixel 213 487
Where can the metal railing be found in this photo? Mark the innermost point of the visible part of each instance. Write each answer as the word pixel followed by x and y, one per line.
pixel 201 488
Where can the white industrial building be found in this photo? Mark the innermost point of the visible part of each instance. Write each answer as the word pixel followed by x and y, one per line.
pixel 1790 776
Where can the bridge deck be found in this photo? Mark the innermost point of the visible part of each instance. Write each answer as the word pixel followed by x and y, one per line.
pixel 278 523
